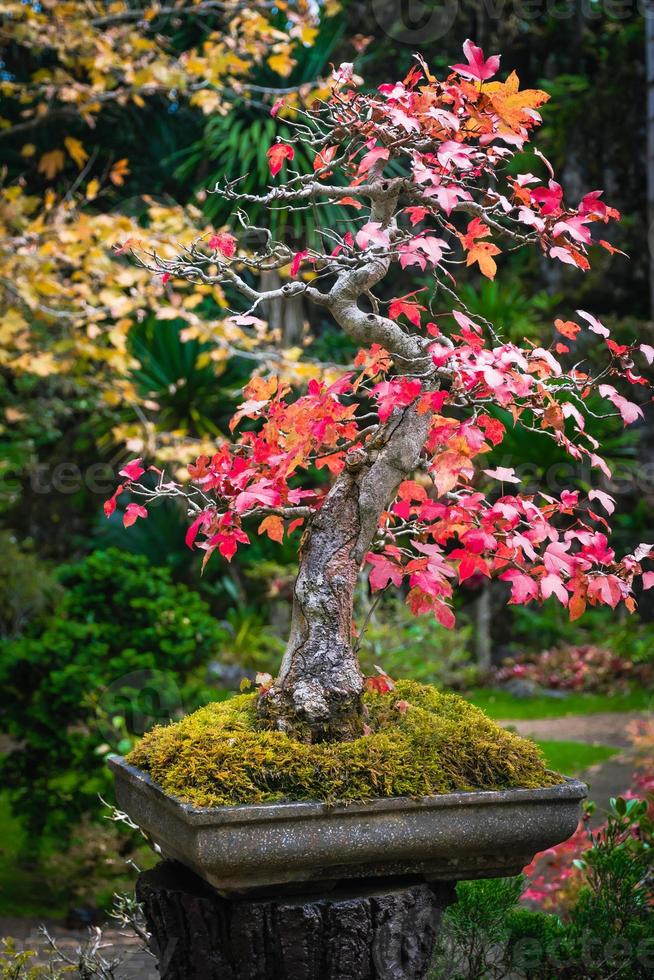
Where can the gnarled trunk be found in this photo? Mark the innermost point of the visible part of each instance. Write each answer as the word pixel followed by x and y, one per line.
pixel 317 694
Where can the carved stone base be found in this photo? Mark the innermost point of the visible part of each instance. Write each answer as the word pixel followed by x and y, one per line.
pixel 371 930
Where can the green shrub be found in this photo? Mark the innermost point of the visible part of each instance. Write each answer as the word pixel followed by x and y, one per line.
pixel 17 964
pixel 608 933
pixel 123 650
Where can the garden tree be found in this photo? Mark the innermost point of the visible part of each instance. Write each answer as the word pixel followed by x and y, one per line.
pixel 400 430
pixel 97 53
pixel 72 76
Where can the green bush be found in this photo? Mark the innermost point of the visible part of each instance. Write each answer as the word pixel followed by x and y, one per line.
pixel 19 964
pixel 607 933
pixel 125 648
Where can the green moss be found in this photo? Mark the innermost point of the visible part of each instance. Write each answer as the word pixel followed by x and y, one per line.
pixel 220 756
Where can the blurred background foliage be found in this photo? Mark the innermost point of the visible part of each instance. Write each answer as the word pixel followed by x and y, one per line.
pixel 100 363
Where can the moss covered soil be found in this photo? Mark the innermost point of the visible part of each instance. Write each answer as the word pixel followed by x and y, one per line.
pixel 420 742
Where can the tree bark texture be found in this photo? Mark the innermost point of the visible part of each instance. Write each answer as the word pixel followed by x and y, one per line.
pixel 369 932
pixel 317 694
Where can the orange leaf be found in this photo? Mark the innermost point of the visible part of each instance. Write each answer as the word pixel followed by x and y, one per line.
pixel 118 172
pixel 568 328
pixel 352 202
pixel 51 163
pixel 273 526
pixel 483 252
pixel 448 468
pixel 577 606
pixel 553 417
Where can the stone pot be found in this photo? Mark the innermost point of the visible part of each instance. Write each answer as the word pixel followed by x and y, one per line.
pixel 454 836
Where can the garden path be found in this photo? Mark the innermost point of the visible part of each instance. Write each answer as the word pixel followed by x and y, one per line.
pixel 603 728
pixel 606 779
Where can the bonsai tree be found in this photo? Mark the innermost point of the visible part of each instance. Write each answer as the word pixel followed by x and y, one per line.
pixel 423 165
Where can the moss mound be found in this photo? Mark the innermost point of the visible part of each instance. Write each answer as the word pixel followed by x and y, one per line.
pixel 432 743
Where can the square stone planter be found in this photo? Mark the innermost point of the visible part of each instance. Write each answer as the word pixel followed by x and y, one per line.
pixel 439 838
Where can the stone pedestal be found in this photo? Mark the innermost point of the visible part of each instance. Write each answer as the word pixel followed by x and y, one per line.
pixel 364 930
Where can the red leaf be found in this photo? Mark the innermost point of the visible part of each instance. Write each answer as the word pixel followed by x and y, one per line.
pixel 132 514
pixel 109 506
pixel 377 154
pixel 380 683
pixel 297 261
pixel 405 306
pixel 277 154
pixel 224 243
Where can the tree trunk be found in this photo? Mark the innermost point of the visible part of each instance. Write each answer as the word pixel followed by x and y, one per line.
pixel 317 694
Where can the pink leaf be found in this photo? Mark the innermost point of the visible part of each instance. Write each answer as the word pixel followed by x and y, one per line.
pixel 503 473
pixel 553 585
pixel 372 157
pixel 628 410
pixel 523 588
pixel 372 233
pixel 607 502
pixel 477 67
pixel 648 352
pixel 593 323
pixel 224 243
pixel 396 393
pixel 257 493
pixel 384 571
pixel 132 470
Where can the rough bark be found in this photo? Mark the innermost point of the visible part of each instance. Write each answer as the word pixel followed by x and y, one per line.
pixel 370 931
pixel 317 694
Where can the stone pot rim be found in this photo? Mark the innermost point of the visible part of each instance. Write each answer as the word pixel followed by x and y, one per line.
pixel 572 790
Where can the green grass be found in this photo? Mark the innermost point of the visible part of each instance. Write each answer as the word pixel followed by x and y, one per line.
pixel 573 758
pixel 504 706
